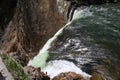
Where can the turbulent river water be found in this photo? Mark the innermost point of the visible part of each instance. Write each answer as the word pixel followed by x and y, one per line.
pixel 89 44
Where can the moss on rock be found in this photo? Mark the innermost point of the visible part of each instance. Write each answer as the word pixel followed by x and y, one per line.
pixel 14 68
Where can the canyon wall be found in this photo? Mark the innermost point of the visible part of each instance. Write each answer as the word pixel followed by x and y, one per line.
pixel 33 23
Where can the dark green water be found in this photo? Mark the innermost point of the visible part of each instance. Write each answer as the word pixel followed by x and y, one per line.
pixel 92 42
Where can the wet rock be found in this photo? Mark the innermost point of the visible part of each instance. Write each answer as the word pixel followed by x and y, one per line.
pixel 69 76
pixel 36 74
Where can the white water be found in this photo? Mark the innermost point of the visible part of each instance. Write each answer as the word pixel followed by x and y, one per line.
pixel 81 13
pixel 56 67
pixel 53 68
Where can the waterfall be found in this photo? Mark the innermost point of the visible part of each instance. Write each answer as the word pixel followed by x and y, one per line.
pixel 53 68
pixel 40 59
pixel 90 41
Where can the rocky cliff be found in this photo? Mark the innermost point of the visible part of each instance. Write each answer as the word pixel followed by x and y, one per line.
pixel 32 24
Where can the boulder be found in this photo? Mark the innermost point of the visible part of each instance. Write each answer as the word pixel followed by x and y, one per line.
pixel 36 73
pixel 69 76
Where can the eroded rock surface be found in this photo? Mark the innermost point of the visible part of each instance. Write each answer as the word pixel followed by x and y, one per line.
pixel 68 76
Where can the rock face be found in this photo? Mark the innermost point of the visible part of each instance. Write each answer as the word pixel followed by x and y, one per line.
pixel 34 22
pixel 6 13
pixel 63 7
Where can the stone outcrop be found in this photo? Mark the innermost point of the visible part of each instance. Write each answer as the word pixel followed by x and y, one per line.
pixel 69 76
pixel 36 73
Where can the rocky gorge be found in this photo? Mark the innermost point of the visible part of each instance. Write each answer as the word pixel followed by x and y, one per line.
pixel 26 25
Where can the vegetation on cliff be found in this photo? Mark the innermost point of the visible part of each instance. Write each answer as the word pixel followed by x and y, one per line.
pixel 14 68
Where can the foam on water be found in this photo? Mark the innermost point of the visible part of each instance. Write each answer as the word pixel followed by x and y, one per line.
pixel 81 13
pixel 56 67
